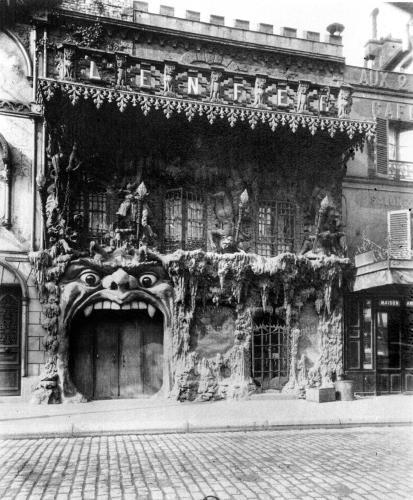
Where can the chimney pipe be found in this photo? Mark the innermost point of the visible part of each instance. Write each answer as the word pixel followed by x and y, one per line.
pixel 374 14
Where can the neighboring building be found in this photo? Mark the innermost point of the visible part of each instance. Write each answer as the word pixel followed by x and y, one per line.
pixel 183 202
pixel 378 199
pixel 389 53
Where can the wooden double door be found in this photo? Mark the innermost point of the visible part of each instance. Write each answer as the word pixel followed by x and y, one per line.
pixel 117 355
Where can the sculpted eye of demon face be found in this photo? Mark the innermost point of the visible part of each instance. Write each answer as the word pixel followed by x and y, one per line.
pixel 87 287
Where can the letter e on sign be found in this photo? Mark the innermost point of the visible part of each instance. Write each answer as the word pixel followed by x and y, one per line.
pixel 145 78
pixel 282 95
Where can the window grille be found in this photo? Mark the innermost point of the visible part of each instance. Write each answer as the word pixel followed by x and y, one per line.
pixel 98 212
pixel 185 220
pixel 279 228
pixel 269 354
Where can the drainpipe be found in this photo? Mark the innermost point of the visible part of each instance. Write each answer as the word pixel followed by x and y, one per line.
pixel 34 187
pixel 25 319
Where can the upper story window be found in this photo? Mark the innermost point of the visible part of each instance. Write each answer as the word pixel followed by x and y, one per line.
pixel 278 228
pixel 98 211
pixel 184 220
pixel 394 151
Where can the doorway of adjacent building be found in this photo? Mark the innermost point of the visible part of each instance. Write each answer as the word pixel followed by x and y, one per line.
pixel 388 350
pixel 117 355
pixel 269 354
pixel 10 302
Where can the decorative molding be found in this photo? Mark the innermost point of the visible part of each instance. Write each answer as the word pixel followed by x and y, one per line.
pixel 212 111
pixel 14 107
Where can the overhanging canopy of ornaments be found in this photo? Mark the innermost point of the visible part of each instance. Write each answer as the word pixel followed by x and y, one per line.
pixel 190 108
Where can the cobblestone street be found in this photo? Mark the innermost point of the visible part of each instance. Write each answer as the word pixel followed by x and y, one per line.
pixel 365 463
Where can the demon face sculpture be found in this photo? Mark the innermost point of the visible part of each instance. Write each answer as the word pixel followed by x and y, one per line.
pixel 104 298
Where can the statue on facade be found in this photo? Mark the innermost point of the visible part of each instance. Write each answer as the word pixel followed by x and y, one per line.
pixel 344 101
pixel 121 66
pixel 230 206
pixel 215 91
pixel 66 62
pixel 169 79
pixel 259 91
pixel 329 234
pixel 302 97
pixel 325 234
pixel 134 213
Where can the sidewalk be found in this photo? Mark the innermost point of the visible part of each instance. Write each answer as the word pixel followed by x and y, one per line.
pixel 139 416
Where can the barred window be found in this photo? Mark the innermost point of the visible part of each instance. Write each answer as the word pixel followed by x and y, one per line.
pixel 185 220
pixel 279 228
pixel 99 213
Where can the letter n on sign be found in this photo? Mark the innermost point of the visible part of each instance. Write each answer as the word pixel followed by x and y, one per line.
pixel 193 85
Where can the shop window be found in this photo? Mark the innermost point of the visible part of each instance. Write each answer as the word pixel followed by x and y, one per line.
pixel 278 228
pixel 359 335
pixel 184 220
pixel 394 150
pixel 399 234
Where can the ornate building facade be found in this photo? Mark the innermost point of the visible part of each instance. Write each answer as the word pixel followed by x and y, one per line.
pixel 177 196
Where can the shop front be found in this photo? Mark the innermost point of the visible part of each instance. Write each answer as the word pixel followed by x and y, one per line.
pixel 379 331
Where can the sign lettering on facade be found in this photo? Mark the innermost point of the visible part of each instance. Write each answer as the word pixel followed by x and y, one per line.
pixel 145 78
pixel 193 85
pixel 382 79
pixel 389 303
pixel 392 110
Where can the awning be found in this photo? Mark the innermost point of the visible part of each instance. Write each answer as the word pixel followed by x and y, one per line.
pixel 212 111
pixel 393 272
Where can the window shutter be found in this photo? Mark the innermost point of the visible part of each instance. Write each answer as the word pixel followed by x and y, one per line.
pixel 398 225
pixel 382 153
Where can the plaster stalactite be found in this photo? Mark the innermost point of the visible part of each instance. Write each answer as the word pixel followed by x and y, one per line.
pixel 189 281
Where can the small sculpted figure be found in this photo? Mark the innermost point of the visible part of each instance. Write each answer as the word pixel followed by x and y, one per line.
pixel 169 79
pixel 121 64
pixel 344 102
pixel 66 64
pixel 259 91
pixel 302 97
pixel 215 91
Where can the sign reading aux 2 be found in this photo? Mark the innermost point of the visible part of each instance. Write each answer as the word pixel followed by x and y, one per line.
pixel 375 78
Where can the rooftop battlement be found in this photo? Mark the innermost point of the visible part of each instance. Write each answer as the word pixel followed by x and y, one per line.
pixel 241 31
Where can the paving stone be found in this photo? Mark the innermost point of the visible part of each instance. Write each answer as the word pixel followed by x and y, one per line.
pixel 356 464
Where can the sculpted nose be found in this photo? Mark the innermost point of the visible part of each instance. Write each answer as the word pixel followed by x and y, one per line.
pixel 120 280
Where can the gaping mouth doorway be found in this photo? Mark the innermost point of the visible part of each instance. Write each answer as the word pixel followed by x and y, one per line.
pixel 117 354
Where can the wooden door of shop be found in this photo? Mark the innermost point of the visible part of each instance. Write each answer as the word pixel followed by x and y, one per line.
pixel 117 357
pixel 10 299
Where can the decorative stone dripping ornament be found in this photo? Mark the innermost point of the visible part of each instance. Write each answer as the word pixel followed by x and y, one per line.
pixel 169 105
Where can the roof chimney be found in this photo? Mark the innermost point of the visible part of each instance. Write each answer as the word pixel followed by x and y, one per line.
pixel 373 15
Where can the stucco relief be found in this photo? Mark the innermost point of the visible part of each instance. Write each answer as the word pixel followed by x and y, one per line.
pixel 13 72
